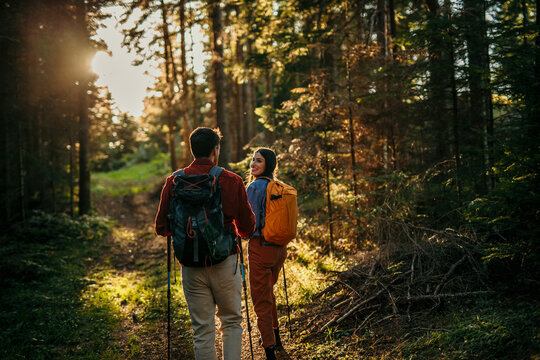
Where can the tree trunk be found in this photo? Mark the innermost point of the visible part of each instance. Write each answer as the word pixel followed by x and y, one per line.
pixel 479 84
pixel 536 87
pixel 194 100
pixel 84 121
pixel 239 105
pixel 455 121
pixel 352 145
pixel 251 121
pixel 169 71
pixel 71 172
pixel 7 170
pixel 219 82
pixel 438 83
pixel 246 103
pixel 352 132
pixel 328 196
pixel 22 170
pixel 383 38
pixel 269 100
pixel 253 101
pixel 247 111
pixel 186 128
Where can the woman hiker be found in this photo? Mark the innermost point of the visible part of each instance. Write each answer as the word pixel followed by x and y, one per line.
pixel 265 258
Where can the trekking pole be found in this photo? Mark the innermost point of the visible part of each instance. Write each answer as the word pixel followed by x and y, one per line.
pixel 169 241
pixel 243 271
pixel 287 301
pixel 174 266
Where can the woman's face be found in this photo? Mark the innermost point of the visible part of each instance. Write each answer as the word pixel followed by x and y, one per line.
pixel 258 164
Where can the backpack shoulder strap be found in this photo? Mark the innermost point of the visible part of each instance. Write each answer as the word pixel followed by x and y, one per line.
pixel 179 172
pixel 215 171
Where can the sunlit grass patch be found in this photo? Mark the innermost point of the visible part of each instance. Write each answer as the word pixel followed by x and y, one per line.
pixel 124 235
pixel 134 347
pixel 306 271
pixel 42 277
pixel 328 349
pixel 132 179
pixel 138 295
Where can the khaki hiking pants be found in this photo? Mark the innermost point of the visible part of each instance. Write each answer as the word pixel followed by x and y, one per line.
pixel 265 262
pixel 204 288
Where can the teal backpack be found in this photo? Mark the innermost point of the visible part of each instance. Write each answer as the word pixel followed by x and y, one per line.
pixel 196 219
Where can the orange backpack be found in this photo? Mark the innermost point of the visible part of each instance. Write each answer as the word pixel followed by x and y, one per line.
pixel 281 213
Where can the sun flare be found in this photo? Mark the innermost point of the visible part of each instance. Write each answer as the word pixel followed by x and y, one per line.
pixel 127 83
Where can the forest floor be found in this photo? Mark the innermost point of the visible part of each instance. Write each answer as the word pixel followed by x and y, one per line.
pixel 83 289
pixel 134 254
pixel 139 257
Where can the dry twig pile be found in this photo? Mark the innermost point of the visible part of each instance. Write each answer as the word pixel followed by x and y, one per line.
pixel 409 280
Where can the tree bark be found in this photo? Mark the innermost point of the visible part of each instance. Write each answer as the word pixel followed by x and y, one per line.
pixel 169 71
pixel 22 185
pixel 219 82
pixel 253 101
pixel 194 99
pixel 186 128
pixel 247 111
pixel 251 121
pixel 536 88
pixel 7 169
pixel 328 196
pixel 383 38
pixel 269 99
pixel 479 85
pixel 455 122
pixel 84 121
pixel 352 146
pixel 438 83
pixel 239 105
pixel 71 172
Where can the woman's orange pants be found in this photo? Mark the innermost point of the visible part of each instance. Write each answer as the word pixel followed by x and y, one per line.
pixel 265 262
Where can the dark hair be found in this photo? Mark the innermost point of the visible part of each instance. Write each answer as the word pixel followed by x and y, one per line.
pixel 203 140
pixel 269 159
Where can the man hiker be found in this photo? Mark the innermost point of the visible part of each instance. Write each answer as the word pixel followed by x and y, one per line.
pixel 208 280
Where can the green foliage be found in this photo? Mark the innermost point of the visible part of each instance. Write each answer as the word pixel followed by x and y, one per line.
pixel 115 135
pixel 305 267
pixel 242 167
pixel 131 179
pixel 53 228
pixel 508 215
pixel 42 276
pixel 61 300
pixel 489 330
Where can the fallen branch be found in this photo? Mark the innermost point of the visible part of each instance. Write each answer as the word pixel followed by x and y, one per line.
pixel 350 299
pixel 353 309
pixel 441 296
pixel 311 321
pixel 337 299
pixel 365 320
pixel 332 321
pixel 349 286
pixel 448 273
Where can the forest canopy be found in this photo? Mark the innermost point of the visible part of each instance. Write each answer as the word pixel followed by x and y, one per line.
pixel 382 112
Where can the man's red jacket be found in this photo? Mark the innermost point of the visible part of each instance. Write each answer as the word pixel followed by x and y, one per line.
pixel 237 213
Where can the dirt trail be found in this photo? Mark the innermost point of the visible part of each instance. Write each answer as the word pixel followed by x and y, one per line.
pixel 135 214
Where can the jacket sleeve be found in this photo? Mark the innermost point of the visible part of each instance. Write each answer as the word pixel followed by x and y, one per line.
pixel 245 219
pixel 162 216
